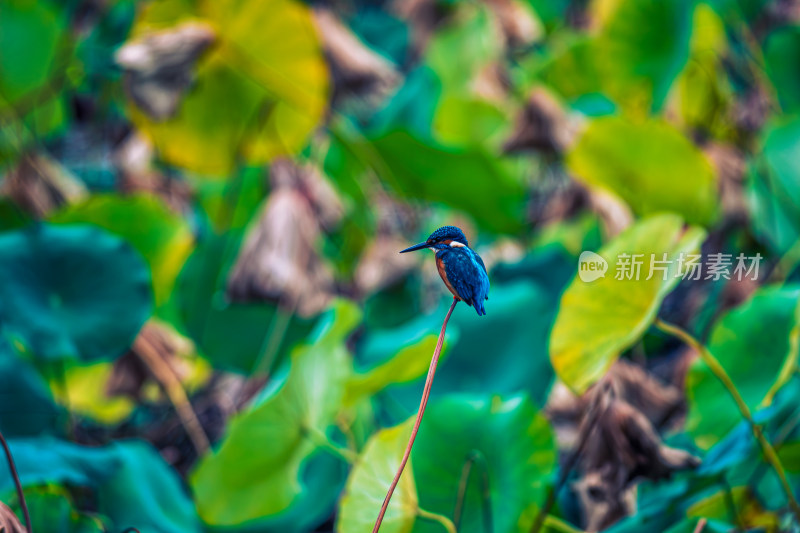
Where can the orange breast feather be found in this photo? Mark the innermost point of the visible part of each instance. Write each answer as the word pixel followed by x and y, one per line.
pixel 440 267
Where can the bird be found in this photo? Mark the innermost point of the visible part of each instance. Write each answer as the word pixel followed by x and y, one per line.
pixel 461 269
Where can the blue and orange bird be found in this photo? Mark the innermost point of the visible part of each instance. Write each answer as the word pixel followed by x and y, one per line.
pixel 461 269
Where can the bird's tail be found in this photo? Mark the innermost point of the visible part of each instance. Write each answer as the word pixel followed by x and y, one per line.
pixel 479 308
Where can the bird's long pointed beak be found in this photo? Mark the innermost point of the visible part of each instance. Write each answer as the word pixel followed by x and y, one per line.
pixel 419 246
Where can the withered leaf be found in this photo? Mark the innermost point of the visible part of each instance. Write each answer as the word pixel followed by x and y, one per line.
pixel 158 66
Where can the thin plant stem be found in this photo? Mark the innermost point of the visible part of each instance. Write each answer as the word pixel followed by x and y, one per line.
pixel 436 517
pixel 730 503
pixel 272 342
pixel 21 495
pixel 590 421
pixel 477 460
pixel 423 402
pixel 719 371
pixel 172 386
pixel 270 347
pixel 701 524
pixel 60 375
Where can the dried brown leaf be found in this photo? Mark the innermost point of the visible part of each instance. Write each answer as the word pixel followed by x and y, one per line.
pixel 357 70
pixel 130 373
pixel 621 448
pixel 159 66
pixel 519 25
pixel 134 158
pixel 381 265
pixel 279 260
pixel 729 164
pixel 542 126
pixel 40 185
pixel 9 523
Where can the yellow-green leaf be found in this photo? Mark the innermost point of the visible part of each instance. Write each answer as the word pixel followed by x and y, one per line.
pixel 650 165
pixel 369 481
pixel 258 93
pixel 83 391
pixel 599 319
pixel 407 365
pixel 255 472
pixel 749 511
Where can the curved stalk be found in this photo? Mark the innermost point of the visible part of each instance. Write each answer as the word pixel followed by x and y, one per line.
pixel 585 430
pixel 436 517
pixel 21 495
pixel 719 371
pixel 173 388
pixel 477 460
pixel 423 402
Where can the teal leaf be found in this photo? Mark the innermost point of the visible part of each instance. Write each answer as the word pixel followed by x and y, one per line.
pixel 515 446
pixel 26 404
pixel 133 484
pixel 161 236
pixel 145 493
pixel 72 292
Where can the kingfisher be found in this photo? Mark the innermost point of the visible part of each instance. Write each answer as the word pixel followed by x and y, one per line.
pixel 461 269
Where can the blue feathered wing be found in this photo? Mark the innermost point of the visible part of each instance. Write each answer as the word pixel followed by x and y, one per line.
pixel 467 274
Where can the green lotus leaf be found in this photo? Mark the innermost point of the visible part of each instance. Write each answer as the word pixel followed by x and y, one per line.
pixel 781 52
pixel 755 366
pixel 234 485
pixel 642 47
pixel 33 38
pixel 489 188
pixel 750 513
pixel 633 58
pixel 774 187
pixel 72 291
pixel 508 440
pixel 52 511
pixel 133 485
pixel 82 388
pixel 231 335
pixel 26 405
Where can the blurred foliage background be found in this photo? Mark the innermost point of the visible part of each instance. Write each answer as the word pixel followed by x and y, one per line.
pixel 205 324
